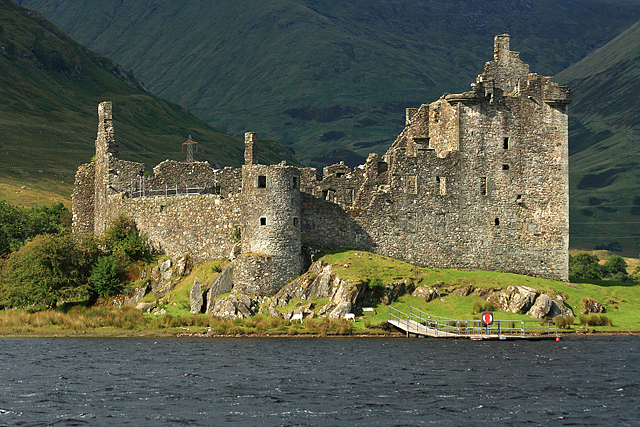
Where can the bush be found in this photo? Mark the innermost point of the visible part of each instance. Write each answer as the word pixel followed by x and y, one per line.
pixel 104 279
pixel 481 305
pixel 595 320
pixel 124 242
pixel 564 322
pixel 18 224
pixel 585 266
pixel 49 268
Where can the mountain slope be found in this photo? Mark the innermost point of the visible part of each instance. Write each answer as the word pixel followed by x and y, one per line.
pixel 328 76
pixel 49 90
pixel 604 144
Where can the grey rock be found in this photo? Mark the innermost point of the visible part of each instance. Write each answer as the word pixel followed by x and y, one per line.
pixel 164 265
pixel 274 313
pixel 341 309
pixel 500 300
pixel 522 298
pixel 541 307
pixel 195 297
pixel 222 284
pixel 426 293
pixel 182 267
pixel 131 299
pixel 463 291
pixel 167 274
pixel 144 306
pixel 592 306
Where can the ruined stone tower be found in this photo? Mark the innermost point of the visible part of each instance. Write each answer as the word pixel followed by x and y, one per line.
pixel 271 227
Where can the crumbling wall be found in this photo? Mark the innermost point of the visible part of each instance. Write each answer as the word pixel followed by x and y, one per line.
pixel 82 200
pixel 204 226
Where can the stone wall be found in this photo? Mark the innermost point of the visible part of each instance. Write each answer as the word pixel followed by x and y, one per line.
pixel 203 226
pixel 82 199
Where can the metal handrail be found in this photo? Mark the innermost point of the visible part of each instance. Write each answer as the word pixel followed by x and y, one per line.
pixel 417 319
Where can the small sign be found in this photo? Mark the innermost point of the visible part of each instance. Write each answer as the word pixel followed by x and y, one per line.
pixel 487 318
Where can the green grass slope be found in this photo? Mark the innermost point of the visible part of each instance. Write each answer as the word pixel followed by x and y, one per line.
pixel 49 90
pixel 329 78
pixel 604 146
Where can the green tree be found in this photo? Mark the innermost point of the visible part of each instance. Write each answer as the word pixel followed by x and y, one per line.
pixel 615 264
pixel 18 224
pixel 586 266
pixel 104 280
pixel 124 242
pixel 48 268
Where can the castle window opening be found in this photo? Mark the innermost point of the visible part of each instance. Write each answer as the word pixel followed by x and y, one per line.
pixel 339 174
pixel 350 195
pixel 296 221
pixel 519 198
pixel 497 221
pixel 483 186
pixel 441 184
pixel 505 142
pixel 412 184
pixel 262 181
pixel 505 167
pixel 295 182
pixel 263 220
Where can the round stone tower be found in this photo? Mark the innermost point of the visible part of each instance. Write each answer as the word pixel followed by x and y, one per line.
pixel 271 232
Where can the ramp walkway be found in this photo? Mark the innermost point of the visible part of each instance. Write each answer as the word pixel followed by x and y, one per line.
pixel 419 323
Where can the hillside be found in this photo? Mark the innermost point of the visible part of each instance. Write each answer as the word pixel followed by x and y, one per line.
pixel 329 78
pixel 50 87
pixel 604 137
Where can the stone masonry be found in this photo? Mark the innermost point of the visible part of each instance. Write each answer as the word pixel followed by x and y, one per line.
pixel 476 180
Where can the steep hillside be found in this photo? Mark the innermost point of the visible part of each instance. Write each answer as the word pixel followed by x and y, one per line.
pixel 328 77
pixel 49 90
pixel 604 143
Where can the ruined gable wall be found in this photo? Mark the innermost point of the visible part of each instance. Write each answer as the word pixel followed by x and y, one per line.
pixel 82 200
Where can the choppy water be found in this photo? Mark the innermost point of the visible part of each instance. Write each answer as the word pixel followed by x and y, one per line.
pixel 318 382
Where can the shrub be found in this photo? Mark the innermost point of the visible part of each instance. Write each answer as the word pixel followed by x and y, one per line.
pixel 123 241
pixel 375 283
pixel 595 320
pixel 49 268
pixel 481 305
pixel 585 266
pixel 104 279
pixel 615 264
pixel 564 322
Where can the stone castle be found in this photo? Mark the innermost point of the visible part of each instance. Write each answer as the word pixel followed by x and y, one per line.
pixel 476 180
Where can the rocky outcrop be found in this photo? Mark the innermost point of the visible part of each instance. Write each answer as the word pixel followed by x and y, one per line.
pixel 195 297
pixel 426 293
pixel 222 284
pixel 321 282
pixel 132 299
pixel 592 306
pixel 522 298
pixel 235 306
pixel 527 300
pixel 166 275
pixel 547 307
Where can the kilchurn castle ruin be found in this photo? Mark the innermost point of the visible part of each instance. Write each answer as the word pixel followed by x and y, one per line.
pixel 476 180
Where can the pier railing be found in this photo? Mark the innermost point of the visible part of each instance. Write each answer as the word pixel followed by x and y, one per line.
pixel 420 323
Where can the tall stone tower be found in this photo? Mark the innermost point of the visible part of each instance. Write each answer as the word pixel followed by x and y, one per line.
pixel 271 236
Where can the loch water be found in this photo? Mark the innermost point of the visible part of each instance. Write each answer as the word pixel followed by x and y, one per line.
pixel 591 381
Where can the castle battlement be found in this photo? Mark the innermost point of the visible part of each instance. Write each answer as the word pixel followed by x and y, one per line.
pixel 475 180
